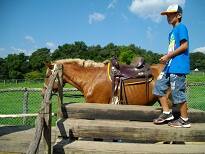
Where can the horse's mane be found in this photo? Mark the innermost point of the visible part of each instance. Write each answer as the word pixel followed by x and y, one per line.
pixel 82 62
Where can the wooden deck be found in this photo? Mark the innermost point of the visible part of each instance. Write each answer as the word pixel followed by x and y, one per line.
pixel 16 139
pixel 122 112
pixel 91 147
pixel 130 127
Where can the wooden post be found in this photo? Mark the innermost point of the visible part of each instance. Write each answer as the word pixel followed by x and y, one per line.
pixel 45 118
pixel 25 104
pixel 47 128
pixel 60 92
pixel 33 147
pixel 47 115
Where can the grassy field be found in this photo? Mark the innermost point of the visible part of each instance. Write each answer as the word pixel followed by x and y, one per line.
pixel 12 102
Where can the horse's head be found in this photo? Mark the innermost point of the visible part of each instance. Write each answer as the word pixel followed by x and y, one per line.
pixel 50 69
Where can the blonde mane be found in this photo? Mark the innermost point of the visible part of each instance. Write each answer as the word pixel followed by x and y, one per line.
pixel 82 62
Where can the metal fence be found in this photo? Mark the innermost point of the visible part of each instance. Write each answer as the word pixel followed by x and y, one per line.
pixel 16 81
pixel 196 95
pixel 20 106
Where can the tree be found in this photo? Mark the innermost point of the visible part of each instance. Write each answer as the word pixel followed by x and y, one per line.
pixel 3 69
pixel 20 66
pixel 126 55
pixel 76 50
pixel 197 60
pixel 93 53
pixel 38 58
pixel 34 75
pixel 17 65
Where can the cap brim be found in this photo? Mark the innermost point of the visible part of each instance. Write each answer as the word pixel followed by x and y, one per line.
pixel 167 12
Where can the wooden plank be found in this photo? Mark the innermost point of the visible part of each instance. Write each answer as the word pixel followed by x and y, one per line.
pixel 121 112
pixel 63 146
pixel 133 131
pixel 20 115
pixel 110 111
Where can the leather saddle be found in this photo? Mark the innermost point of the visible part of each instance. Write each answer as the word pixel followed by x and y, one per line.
pixel 139 69
pixel 120 73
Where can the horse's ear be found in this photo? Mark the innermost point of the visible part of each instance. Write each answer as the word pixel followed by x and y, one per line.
pixel 48 65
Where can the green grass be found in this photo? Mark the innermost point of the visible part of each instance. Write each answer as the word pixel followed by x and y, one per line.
pixel 12 103
pixel 27 84
pixel 195 78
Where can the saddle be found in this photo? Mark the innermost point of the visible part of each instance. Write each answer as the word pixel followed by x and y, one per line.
pixel 139 72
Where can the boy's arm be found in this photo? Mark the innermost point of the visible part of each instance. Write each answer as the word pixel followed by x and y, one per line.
pixel 181 49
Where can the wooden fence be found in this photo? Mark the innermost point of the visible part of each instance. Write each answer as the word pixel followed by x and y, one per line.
pixel 43 122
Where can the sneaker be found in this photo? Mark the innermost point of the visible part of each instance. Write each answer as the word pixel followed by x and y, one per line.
pixel 163 118
pixel 180 123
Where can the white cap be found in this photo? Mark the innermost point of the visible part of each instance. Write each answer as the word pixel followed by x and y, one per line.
pixel 172 9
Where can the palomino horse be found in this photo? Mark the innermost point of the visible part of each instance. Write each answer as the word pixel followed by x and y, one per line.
pixel 93 80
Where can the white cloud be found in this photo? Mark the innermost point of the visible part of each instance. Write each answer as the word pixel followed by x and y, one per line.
pixel 51 46
pixel 150 9
pixel 15 50
pixel 200 49
pixel 18 50
pixel 29 39
pixel 112 4
pixel 2 49
pixel 96 17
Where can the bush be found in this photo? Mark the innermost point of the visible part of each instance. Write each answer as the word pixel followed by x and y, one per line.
pixel 34 75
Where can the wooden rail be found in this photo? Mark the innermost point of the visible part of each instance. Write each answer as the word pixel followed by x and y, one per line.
pixel 20 115
pixel 43 122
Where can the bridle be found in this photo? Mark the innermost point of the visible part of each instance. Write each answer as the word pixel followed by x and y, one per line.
pixel 55 68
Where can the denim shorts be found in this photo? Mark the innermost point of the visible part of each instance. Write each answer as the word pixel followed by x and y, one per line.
pixel 177 83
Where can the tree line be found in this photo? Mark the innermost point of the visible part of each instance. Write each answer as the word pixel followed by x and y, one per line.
pixel 21 66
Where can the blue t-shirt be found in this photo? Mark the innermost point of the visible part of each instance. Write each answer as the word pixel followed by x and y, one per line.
pixel 179 64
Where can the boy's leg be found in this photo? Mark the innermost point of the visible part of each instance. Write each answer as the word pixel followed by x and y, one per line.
pixel 183 110
pixel 179 97
pixel 164 103
pixel 160 90
pixel 183 120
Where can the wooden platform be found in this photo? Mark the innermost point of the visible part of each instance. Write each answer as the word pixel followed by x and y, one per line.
pixel 122 112
pixel 132 131
pixel 16 139
pixel 91 147
pixel 130 127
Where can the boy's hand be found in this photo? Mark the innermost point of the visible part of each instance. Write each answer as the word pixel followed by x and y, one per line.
pixel 164 59
pixel 183 47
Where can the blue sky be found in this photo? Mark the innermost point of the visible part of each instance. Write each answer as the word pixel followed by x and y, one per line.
pixel 26 25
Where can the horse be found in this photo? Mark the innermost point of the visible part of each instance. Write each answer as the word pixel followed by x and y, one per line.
pixel 93 80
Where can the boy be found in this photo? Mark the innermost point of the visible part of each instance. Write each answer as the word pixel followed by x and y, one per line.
pixel 177 65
